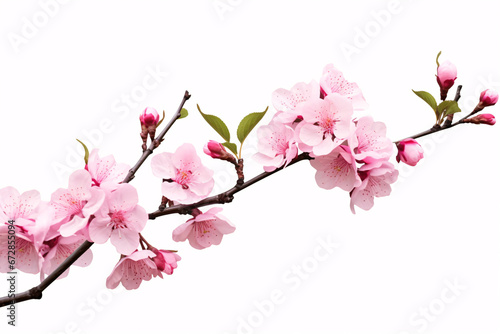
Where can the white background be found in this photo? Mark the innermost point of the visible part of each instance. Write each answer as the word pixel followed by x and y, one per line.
pixel 441 223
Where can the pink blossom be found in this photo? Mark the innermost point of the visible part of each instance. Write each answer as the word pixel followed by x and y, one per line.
pixel 446 75
pixel 27 257
pixel 488 98
pixel 57 249
pixel 149 117
pixel 409 151
pixel 21 208
pixel 119 219
pixel 376 179
pixel 74 206
pixel 204 230
pixel 166 261
pixel 105 172
pixel 214 149
pixel 337 169
pixel 276 147
pixel 189 181
pixel 488 119
pixel 326 124
pixel 287 101
pixel 333 81
pixel 369 142
pixel 132 270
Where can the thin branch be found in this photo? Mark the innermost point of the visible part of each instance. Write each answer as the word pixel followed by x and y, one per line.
pixel 36 292
pixel 224 197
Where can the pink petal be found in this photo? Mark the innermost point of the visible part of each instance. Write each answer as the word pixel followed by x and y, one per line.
pixel 100 229
pixel 163 166
pixel 182 231
pixel 311 134
pixel 124 198
pixel 125 240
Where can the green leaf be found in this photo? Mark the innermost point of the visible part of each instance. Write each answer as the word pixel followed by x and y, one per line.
pixel 86 157
pixel 217 124
pixel 248 123
pixel 437 58
pixel 157 125
pixel 429 99
pixel 448 108
pixel 184 113
pixel 232 147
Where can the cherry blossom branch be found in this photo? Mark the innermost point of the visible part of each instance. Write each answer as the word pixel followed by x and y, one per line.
pixel 36 292
pixel 224 197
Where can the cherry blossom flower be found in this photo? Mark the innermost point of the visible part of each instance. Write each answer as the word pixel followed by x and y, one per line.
pixel 277 146
pixel 132 270
pixel 409 151
pixel 204 230
pixel 74 206
pixel 188 180
pixel 27 257
pixel 337 169
pixel 119 219
pixel 165 260
pixel 286 101
pixel 326 124
pixel 376 179
pixel 333 81
pixel 23 209
pixel 105 172
pixel 369 142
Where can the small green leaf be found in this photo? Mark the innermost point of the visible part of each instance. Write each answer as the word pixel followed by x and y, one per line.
pixel 448 108
pixel 248 123
pixel 184 113
pixel 429 99
pixel 217 124
pixel 437 58
pixel 157 125
pixel 232 147
pixel 86 157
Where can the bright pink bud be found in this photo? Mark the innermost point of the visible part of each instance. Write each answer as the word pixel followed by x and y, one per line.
pixel 214 149
pixel 446 75
pixel 488 98
pixel 482 119
pixel 409 151
pixel 166 261
pixel 149 117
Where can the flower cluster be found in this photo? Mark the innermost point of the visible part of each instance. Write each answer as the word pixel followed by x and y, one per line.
pixel 318 118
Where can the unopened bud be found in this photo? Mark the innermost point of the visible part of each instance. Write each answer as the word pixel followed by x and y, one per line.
pixel 446 76
pixel 488 119
pixel 409 151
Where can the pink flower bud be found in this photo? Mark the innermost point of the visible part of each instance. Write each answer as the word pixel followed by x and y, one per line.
pixel 482 119
pixel 214 149
pixel 488 98
pixel 446 75
pixel 149 117
pixel 409 151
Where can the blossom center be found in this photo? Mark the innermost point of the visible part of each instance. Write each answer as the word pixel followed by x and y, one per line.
pixel 183 177
pixel 118 220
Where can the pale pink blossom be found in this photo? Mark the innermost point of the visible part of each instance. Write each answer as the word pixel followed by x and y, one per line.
pixel 333 81
pixel 165 260
pixel 409 151
pixel 326 124
pixel 105 172
pixel 369 142
pixel 57 249
pixel 204 230
pixel 287 101
pixel 149 117
pixel 337 169
pixel 488 98
pixel 188 180
pixel 22 208
pixel 119 219
pixel 376 180
pixel 132 270
pixel 27 258
pixel 74 206
pixel 446 75
pixel 276 146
